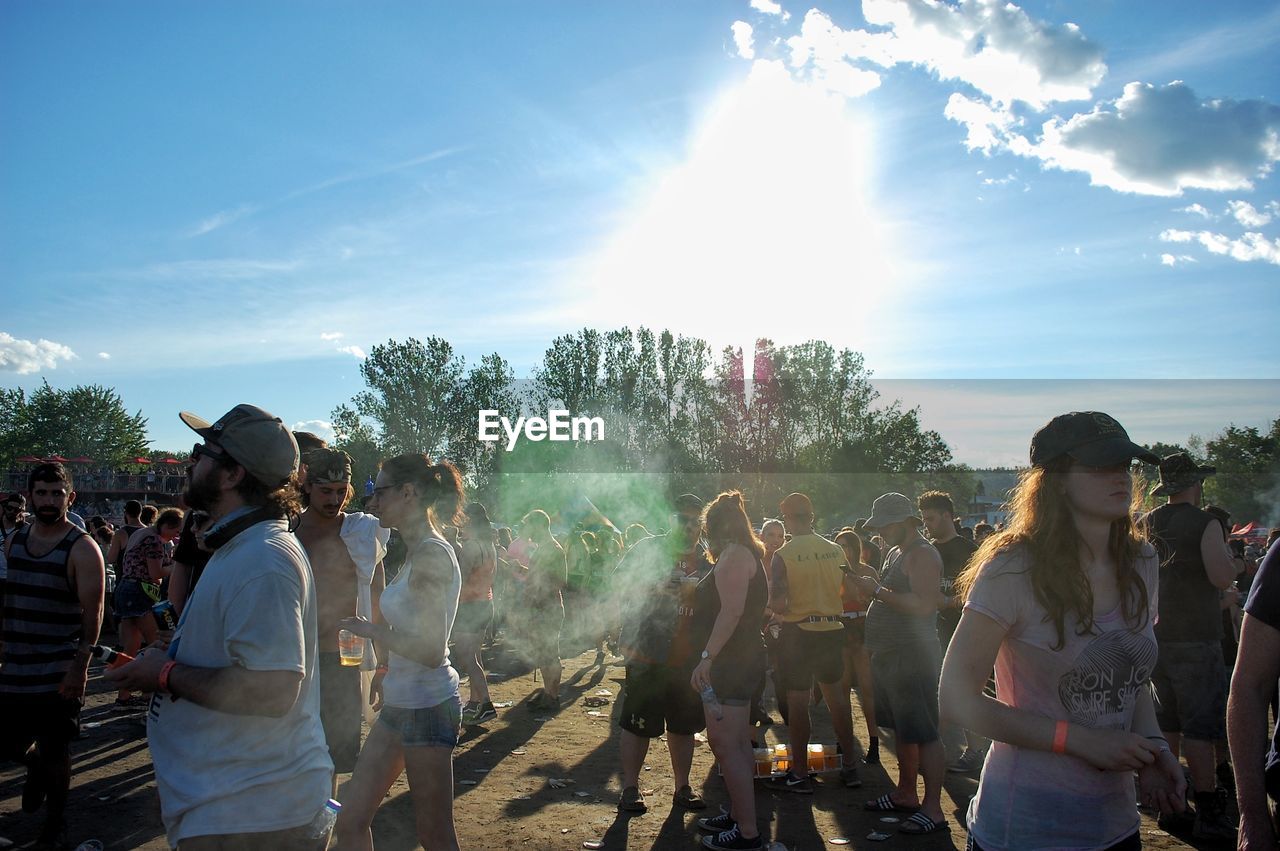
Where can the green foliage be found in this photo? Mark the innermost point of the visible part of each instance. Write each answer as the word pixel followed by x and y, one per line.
pixel 1247 483
pixel 84 421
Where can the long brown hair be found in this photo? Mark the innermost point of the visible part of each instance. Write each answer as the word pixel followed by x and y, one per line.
pixel 1040 523
pixel 439 485
pixel 726 522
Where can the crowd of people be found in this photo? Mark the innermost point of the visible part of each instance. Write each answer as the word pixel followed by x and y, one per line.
pixel 1072 660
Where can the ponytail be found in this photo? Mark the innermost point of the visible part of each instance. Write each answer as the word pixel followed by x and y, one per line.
pixel 439 485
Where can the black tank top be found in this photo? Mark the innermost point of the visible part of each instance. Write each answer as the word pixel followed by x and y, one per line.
pixel 745 645
pixel 1189 608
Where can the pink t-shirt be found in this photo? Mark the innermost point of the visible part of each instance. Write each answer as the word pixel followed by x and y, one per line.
pixel 1032 799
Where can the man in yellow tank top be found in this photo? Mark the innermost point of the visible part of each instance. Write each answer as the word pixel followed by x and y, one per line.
pixel 807 575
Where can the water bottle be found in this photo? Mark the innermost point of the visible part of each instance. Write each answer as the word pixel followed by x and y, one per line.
pixel 710 700
pixel 322 825
pixel 111 657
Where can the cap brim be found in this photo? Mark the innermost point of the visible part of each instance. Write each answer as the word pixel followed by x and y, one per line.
pixel 197 424
pixel 1117 450
pixel 881 522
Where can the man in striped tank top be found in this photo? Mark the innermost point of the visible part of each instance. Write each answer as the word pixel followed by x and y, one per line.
pixel 52 614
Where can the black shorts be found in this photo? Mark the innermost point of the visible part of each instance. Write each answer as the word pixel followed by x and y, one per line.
pixel 906 685
pixel 735 680
pixel 805 655
pixel 657 698
pixel 473 618
pixel 855 631
pixel 340 710
pixel 1191 684
pixel 48 719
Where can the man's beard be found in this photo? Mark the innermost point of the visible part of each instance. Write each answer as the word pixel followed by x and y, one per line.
pixel 50 516
pixel 201 494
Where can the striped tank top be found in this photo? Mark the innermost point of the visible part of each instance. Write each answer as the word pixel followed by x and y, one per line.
pixel 41 618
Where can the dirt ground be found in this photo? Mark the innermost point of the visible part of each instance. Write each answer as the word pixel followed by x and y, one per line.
pixel 504 797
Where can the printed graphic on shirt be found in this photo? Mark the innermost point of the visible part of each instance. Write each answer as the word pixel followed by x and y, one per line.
pixel 1102 685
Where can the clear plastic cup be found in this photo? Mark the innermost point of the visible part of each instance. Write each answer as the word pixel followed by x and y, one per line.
pixel 350 648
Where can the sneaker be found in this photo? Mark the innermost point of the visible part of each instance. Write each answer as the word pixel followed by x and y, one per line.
pixel 469 711
pixel 788 782
pixel 733 840
pixel 717 824
pixel 1212 820
pixel 849 777
pixel 485 712
pixel 872 756
pixel 687 798
pixel 632 801
pixel 970 762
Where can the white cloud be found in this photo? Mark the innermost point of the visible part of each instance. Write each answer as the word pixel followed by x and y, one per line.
pixel 1175 259
pixel 989 127
pixel 1198 210
pixel 104 356
pixel 769 7
pixel 25 357
pixel 1160 140
pixel 1251 246
pixel 1247 215
pixel 320 428
pixel 992 45
pixel 330 336
pixel 355 351
pixel 742 39
pixel 221 219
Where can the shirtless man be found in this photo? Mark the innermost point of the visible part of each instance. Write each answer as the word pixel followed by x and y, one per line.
pixel 345 551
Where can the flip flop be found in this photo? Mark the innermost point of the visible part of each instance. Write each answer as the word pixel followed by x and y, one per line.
pixel 919 824
pixel 886 804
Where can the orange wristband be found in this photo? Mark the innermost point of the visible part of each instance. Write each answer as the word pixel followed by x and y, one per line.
pixel 163 680
pixel 1060 737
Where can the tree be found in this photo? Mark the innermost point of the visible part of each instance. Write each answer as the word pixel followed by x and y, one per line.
pixel 414 395
pixel 83 421
pixel 1248 464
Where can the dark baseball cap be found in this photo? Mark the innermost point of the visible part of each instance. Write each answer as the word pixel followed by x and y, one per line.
pixel 687 503
pixel 1090 437
pixel 256 439
pixel 1179 472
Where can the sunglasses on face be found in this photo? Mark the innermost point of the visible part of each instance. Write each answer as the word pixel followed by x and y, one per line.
pixel 206 450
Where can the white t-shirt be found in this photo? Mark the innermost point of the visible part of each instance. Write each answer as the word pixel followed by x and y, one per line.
pixel 1033 799
pixel 220 773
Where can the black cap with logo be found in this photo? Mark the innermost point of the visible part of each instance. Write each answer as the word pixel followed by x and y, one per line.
pixel 1090 437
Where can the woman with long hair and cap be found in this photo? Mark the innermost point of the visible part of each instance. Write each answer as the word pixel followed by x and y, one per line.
pixel 728 608
pixel 418 727
pixel 1062 603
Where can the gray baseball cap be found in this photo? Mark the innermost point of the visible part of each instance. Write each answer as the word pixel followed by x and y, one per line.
pixel 256 439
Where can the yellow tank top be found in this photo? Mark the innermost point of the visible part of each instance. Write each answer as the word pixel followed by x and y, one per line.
pixel 813 581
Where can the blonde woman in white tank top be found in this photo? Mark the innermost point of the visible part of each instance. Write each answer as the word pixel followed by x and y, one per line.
pixel 418 690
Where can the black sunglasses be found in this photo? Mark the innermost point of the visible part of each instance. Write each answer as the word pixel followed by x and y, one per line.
pixel 207 451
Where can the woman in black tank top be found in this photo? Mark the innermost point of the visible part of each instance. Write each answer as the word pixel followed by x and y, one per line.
pixel 728 610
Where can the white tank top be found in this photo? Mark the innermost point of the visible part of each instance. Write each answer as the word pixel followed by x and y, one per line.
pixel 409 685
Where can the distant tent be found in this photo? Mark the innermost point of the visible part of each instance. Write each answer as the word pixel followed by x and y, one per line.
pixel 140 460
pixel 82 460
pixel 170 461
pixel 30 459
pixel 57 459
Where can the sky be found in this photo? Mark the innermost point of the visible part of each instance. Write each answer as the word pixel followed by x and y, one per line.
pixel 204 204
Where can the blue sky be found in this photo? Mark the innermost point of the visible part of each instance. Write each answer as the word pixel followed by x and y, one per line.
pixel 202 204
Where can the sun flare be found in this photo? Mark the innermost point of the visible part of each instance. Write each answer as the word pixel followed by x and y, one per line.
pixel 765 230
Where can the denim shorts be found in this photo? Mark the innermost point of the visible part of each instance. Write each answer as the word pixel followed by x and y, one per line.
pixel 433 726
pixel 130 600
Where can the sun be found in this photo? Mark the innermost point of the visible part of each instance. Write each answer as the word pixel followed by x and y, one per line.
pixel 765 229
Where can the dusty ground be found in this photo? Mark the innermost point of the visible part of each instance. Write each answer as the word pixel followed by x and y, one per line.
pixel 503 797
